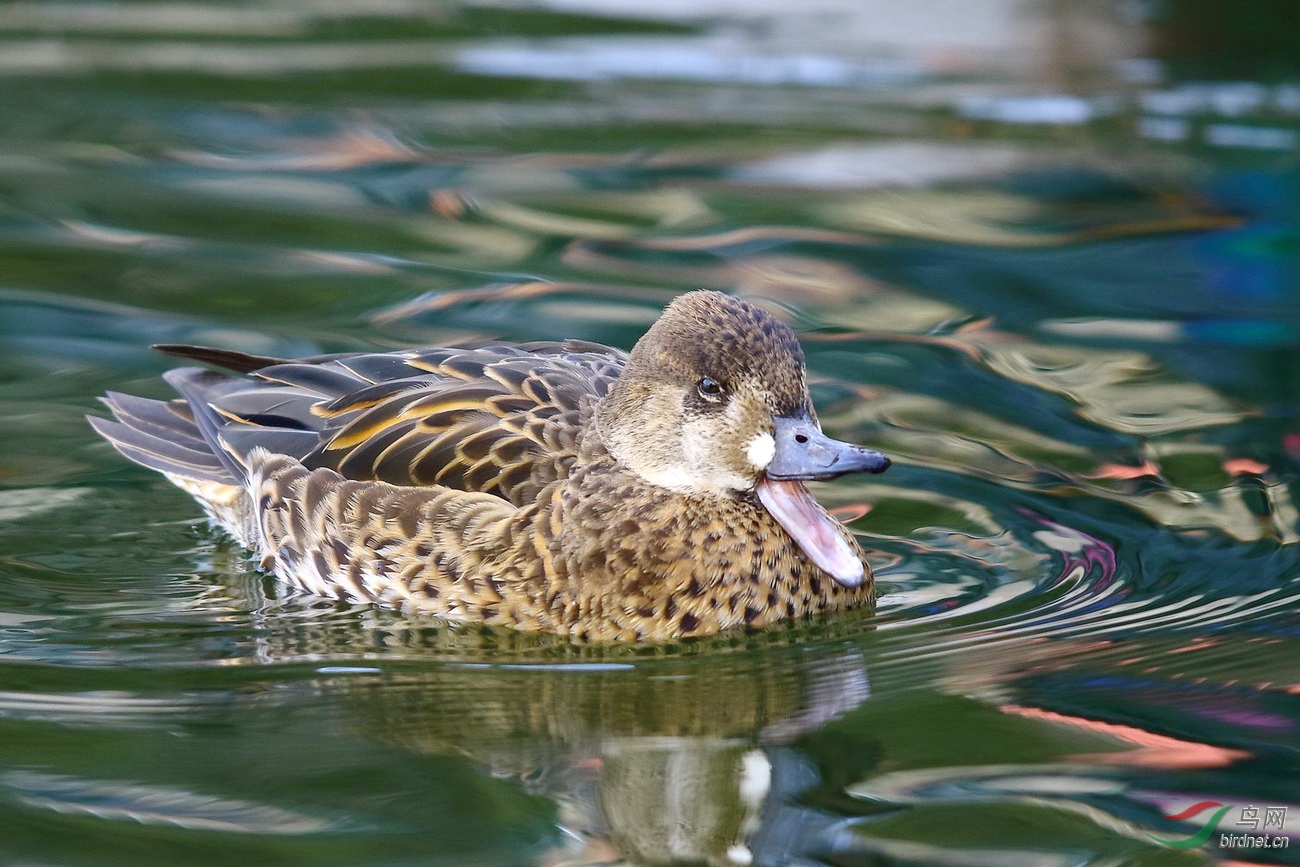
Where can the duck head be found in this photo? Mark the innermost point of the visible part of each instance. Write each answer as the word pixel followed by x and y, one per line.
pixel 714 403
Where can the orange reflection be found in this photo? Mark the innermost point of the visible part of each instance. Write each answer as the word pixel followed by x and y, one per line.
pixel 1153 750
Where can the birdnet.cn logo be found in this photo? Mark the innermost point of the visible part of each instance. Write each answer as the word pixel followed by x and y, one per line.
pixel 1250 827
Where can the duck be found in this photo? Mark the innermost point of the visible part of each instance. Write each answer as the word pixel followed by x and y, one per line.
pixel 565 487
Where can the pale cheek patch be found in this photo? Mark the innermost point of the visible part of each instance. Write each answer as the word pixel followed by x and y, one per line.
pixel 761 450
pixel 673 478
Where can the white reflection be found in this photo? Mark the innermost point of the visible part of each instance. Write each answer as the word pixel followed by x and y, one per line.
pixel 1054 108
pixel 121 800
pixel 682 60
pixel 1256 137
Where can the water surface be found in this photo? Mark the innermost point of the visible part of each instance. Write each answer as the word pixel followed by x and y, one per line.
pixel 1045 258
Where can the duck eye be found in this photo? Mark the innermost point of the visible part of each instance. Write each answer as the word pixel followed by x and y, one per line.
pixel 708 388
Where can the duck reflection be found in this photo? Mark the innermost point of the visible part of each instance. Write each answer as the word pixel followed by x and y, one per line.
pixel 671 755
pixel 660 761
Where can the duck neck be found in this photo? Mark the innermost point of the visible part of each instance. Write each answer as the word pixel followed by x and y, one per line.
pixel 638 431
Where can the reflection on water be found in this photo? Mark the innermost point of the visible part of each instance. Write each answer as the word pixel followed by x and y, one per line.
pixel 665 762
pixel 1044 255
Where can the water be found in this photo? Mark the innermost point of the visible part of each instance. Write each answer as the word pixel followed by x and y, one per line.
pixel 1044 257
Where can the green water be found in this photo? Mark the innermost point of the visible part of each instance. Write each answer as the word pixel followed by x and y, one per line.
pixel 1046 256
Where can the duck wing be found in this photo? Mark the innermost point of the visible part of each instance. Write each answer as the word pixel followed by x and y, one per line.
pixel 496 419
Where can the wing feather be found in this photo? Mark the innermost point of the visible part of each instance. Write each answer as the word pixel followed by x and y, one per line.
pixel 501 420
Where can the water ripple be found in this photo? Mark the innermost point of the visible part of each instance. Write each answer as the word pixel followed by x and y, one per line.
pixel 120 800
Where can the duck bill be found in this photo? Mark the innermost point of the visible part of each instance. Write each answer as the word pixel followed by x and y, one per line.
pixel 804 453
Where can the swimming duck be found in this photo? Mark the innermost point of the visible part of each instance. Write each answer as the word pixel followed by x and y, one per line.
pixel 568 487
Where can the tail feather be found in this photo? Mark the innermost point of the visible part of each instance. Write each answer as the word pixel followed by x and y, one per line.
pixel 243 362
pixel 206 435
pixel 180 438
pixel 162 454
pixel 169 421
pixel 200 388
pixel 239 362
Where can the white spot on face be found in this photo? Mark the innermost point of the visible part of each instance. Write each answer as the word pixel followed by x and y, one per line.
pixel 761 450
